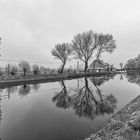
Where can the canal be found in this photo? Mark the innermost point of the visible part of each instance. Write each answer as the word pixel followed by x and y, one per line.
pixel 64 110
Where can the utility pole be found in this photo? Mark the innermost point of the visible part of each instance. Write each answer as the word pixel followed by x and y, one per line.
pixel 78 66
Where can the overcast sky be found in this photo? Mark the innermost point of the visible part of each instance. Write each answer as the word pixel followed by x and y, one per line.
pixel 30 28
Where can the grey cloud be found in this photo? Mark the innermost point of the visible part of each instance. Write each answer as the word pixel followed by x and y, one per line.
pixel 31 28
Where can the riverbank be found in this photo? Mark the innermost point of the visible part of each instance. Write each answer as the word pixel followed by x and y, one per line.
pixel 32 79
pixel 124 125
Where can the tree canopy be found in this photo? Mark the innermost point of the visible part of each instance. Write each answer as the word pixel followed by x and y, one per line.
pixel 83 46
pixel 25 67
pixel 133 63
pixel 105 43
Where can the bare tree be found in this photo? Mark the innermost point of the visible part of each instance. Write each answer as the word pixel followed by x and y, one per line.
pixel 36 69
pixel 11 69
pixel 25 67
pixel 83 46
pixel 62 52
pixel 7 69
pixel 106 43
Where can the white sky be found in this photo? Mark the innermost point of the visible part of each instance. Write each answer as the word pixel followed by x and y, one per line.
pixel 31 28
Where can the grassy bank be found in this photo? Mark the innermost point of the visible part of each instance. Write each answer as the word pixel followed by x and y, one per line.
pixel 31 79
pixel 124 125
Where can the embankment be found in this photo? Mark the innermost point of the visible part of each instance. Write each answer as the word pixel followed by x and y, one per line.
pixel 124 125
pixel 31 79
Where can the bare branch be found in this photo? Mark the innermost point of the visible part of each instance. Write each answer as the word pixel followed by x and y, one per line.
pixel 62 52
pixel 83 46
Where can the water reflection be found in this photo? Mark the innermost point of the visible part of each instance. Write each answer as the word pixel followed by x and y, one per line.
pixel 36 87
pixel 85 102
pixel 133 77
pixel 62 98
pixel 11 90
pixel 121 76
pixel 24 90
pixel 107 103
pixel 88 98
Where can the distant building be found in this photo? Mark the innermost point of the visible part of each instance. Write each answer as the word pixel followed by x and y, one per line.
pixel 101 66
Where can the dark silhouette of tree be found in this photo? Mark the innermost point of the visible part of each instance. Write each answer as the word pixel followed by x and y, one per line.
pixel 62 99
pixel 87 105
pixel 105 43
pixel 24 90
pixel 84 102
pixel 83 46
pixel 107 103
pixel 24 66
pixel 62 52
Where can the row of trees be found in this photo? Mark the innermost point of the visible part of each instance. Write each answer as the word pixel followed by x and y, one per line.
pixel 133 63
pixel 25 68
pixel 83 46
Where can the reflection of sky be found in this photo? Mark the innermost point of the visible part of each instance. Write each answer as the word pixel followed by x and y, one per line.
pixel 36 117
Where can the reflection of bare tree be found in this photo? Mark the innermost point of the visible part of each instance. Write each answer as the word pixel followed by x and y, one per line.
pixel 36 87
pixel 107 102
pixel 133 77
pixel 85 103
pixel 121 76
pixel 24 90
pixel 11 90
pixel 62 98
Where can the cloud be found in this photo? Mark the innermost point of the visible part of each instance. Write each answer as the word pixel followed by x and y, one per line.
pixel 31 28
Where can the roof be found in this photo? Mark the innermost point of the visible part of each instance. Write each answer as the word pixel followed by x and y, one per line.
pixel 99 64
pixel 98 80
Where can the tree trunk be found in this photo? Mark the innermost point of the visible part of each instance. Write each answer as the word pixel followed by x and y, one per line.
pixel 63 65
pixel 94 64
pixel 86 82
pixel 86 66
pixel 98 91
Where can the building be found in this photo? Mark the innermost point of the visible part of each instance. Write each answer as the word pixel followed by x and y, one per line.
pixel 101 66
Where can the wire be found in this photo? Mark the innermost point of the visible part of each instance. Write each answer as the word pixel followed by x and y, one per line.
pixel 9 60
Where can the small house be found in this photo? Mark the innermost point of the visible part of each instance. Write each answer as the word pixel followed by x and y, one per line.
pixel 100 66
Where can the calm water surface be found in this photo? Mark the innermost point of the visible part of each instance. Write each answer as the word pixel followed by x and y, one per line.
pixel 66 110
